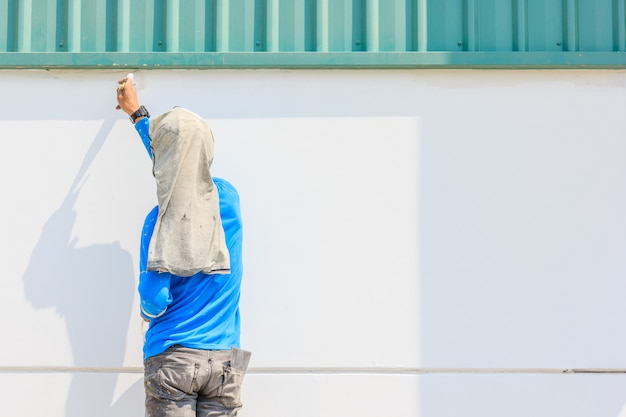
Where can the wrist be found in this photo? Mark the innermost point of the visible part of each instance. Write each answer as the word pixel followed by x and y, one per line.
pixel 139 114
pixel 131 109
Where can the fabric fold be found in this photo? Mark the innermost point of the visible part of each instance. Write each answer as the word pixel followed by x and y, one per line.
pixel 188 235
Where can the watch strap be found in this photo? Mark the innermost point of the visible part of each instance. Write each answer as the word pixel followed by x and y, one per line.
pixel 140 112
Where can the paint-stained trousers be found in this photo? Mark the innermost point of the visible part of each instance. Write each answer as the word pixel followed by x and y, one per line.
pixel 184 382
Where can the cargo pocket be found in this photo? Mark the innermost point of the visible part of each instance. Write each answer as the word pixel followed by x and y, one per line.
pixel 232 379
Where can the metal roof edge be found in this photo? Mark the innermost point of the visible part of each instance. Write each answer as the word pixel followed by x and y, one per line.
pixel 313 60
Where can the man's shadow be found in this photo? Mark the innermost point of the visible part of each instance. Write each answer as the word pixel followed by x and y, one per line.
pixel 92 288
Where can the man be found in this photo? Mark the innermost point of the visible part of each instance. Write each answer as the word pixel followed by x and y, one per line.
pixel 190 270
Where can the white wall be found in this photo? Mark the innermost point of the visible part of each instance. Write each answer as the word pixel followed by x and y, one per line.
pixel 417 243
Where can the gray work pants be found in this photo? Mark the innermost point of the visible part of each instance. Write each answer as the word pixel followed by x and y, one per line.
pixel 184 382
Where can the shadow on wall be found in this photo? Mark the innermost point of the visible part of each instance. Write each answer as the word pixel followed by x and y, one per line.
pixel 92 288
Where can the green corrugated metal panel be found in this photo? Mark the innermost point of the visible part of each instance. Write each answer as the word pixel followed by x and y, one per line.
pixel 312 33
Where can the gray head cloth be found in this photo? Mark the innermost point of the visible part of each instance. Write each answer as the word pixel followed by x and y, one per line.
pixel 188 235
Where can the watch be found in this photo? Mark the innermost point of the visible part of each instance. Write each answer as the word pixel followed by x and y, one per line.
pixel 141 112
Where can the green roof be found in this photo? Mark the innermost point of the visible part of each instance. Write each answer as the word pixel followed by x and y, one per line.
pixel 313 34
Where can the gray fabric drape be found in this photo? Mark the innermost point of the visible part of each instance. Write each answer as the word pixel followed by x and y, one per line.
pixel 188 236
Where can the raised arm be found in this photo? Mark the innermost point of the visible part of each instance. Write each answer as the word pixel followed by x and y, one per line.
pixel 128 102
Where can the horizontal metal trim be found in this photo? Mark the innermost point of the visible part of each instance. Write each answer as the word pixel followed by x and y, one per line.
pixel 69 370
pixel 314 60
pixel 415 371
pixel 325 370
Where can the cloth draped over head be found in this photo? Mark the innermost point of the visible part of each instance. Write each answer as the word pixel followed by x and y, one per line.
pixel 188 235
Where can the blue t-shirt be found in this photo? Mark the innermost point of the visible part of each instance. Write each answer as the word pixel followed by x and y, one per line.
pixel 201 311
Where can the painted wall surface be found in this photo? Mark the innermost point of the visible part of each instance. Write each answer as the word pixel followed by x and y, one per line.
pixel 417 243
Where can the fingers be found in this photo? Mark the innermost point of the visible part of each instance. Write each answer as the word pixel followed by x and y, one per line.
pixel 126 95
pixel 124 82
pixel 122 85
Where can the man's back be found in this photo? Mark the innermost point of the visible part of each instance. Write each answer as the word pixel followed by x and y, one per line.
pixel 200 311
